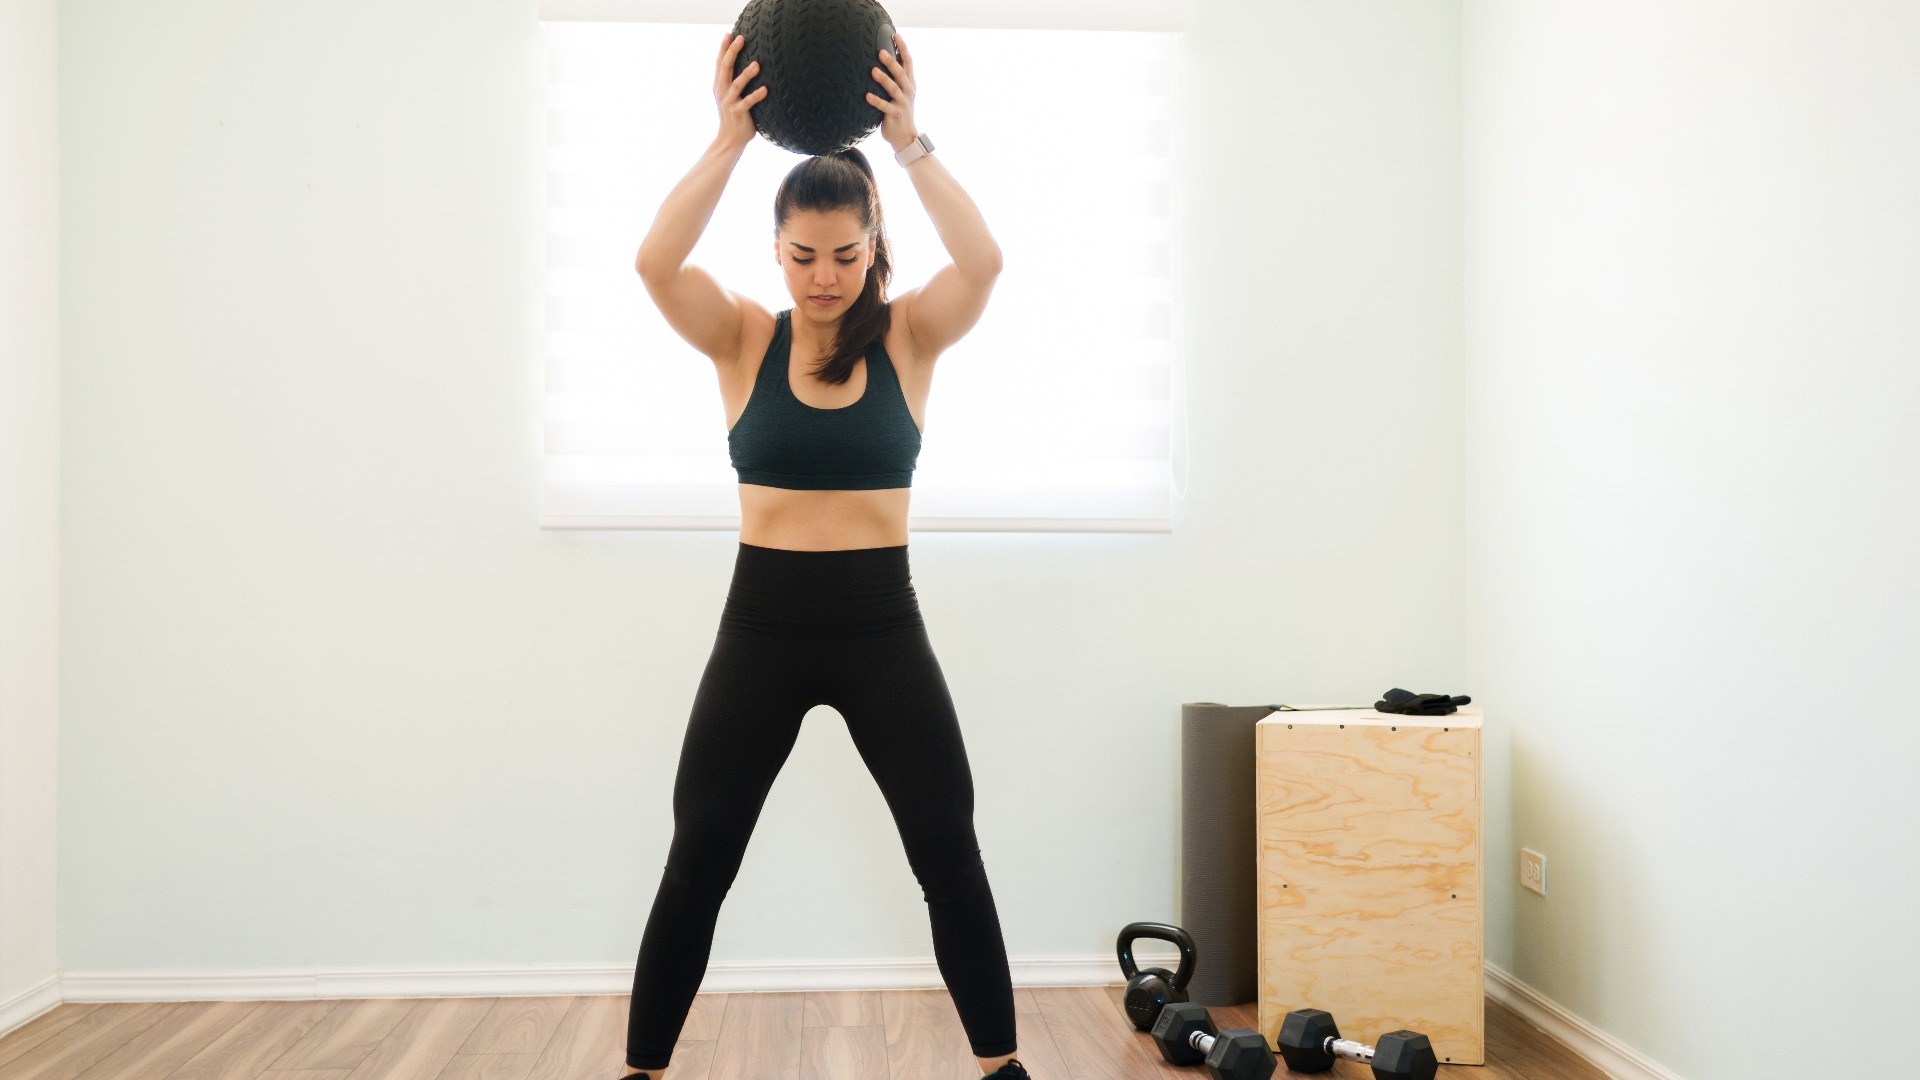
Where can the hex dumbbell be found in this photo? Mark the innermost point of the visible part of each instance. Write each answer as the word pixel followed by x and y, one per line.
pixel 1185 1034
pixel 1310 1042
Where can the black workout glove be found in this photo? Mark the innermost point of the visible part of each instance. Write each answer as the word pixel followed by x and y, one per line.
pixel 1400 701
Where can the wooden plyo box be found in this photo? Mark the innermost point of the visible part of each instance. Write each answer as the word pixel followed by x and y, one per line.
pixel 1370 875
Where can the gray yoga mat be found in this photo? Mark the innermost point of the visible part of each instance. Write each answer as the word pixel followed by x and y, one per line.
pixel 1217 849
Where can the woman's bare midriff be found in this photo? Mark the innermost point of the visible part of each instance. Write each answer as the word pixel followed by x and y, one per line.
pixel 803 519
pixel 806 520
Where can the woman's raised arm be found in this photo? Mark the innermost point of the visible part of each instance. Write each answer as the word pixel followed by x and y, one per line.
pixel 940 312
pixel 698 308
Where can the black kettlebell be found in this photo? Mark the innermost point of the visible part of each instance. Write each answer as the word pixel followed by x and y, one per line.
pixel 1151 990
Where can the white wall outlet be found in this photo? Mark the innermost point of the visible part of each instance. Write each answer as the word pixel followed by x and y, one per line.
pixel 1533 870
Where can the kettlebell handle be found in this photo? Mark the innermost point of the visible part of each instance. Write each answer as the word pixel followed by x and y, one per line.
pixel 1161 932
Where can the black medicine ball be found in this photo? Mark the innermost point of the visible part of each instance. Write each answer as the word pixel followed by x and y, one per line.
pixel 816 57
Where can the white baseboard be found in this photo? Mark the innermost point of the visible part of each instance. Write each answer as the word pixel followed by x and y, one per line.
pixel 29 1003
pixel 585 979
pixel 1606 1053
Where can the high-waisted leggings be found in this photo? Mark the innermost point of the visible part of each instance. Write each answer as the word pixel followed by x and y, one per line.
pixel 799 629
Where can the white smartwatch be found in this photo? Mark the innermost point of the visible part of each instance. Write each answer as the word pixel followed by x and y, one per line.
pixel 920 147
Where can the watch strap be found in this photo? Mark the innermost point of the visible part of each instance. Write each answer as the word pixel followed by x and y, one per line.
pixel 920 147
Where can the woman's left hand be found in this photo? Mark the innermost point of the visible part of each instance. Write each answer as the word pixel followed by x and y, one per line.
pixel 897 76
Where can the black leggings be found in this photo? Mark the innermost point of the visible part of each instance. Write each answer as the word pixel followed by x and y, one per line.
pixel 804 628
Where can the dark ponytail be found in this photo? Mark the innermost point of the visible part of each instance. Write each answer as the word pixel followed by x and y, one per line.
pixel 844 181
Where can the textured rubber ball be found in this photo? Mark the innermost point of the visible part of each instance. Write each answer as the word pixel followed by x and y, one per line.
pixel 816 60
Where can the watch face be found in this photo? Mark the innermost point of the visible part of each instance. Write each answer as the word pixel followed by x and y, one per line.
pixel 926 141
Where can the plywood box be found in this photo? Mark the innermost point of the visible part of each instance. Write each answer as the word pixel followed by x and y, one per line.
pixel 1369 874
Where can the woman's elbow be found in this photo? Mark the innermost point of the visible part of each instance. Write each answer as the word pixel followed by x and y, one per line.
pixel 651 268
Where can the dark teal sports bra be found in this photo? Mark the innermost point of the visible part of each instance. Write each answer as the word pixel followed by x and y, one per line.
pixel 781 441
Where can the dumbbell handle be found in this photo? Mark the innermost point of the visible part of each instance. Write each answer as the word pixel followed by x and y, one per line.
pixel 1352 1051
pixel 1202 1041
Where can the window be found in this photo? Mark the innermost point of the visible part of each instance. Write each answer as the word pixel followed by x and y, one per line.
pixel 1056 412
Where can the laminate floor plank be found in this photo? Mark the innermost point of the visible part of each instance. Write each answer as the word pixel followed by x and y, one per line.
pixel 842 1008
pixel 92 1037
pixel 44 1027
pixel 1096 1039
pixel 348 1033
pixel 459 1067
pixel 692 1060
pixel 180 1031
pixel 588 1042
pixel 1033 1042
pixel 704 1017
pixel 924 1038
pixel 759 1038
pixel 844 1053
pixel 421 1045
pixel 1531 1051
pixel 1065 1033
pixel 519 1025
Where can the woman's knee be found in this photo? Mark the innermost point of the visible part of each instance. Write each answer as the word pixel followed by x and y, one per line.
pixel 704 858
pixel 703 879
pixel 949 871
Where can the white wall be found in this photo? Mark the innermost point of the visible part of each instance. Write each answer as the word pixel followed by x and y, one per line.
pixel 1692 390
pixel 29 502
pixel 333 701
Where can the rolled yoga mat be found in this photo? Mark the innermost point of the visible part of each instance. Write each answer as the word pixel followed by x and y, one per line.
pixel 1217 849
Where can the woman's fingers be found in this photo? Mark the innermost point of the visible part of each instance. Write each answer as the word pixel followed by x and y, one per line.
pixel 746 75
pixel 898 69
pixel 742 104
pixel 725 61
pixel 721 65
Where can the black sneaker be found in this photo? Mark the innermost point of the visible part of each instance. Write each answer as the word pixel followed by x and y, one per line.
pixel 1012 1070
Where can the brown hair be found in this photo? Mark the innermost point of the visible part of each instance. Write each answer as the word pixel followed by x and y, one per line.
pixel 844 181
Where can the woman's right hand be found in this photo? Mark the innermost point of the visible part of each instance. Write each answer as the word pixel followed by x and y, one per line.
pixel 736 124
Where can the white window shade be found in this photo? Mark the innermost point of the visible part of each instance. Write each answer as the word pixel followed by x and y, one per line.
pixel 1055 412
pixel 987 14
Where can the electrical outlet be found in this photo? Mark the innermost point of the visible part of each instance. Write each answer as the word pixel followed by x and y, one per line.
pixel 1533 870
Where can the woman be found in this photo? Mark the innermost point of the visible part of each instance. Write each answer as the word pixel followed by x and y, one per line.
pixel 825 401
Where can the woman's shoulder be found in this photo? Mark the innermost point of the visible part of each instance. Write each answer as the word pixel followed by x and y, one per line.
pixel 759 326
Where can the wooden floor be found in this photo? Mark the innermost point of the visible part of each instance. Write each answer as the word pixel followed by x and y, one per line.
pixel 1066 1033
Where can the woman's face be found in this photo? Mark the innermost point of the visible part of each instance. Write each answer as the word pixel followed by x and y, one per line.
pixel 824 255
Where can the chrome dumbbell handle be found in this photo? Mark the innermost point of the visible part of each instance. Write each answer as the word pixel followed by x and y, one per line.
pixel 1202 1041
pixel 1350 1050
